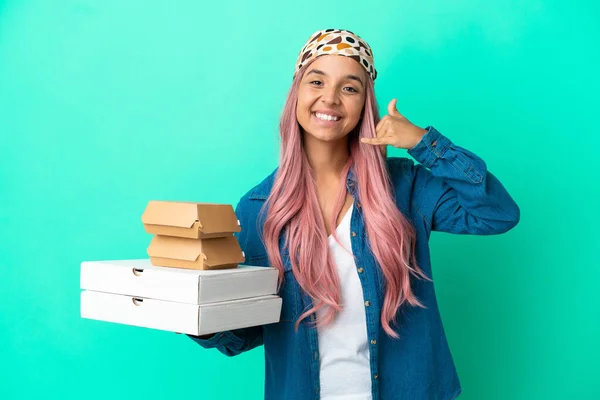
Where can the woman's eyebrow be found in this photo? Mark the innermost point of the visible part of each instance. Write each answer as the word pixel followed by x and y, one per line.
pixel 350 76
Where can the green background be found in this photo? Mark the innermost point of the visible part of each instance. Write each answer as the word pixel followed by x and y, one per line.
pixel 105 105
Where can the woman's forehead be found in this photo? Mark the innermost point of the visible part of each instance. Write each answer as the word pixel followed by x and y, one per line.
pixel 336 66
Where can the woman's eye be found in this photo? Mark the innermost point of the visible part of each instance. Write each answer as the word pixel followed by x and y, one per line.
pixel 352 90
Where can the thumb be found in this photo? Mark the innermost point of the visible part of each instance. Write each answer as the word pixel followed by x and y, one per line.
pixel 392 108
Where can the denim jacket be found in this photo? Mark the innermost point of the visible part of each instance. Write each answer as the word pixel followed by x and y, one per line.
pixel 450 190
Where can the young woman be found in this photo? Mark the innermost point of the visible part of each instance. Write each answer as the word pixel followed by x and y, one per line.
pixel 348 228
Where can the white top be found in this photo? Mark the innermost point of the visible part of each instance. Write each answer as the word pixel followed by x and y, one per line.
pixel 345 371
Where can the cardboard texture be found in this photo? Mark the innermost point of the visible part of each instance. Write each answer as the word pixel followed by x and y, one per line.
pixel 190 220
pixel 178 252
pixel 180 317
pixel 142 279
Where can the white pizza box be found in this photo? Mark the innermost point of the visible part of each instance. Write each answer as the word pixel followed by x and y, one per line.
pixel 140 278
pixel 177 317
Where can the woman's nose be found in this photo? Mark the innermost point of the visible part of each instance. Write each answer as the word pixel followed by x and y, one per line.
pixel 330 96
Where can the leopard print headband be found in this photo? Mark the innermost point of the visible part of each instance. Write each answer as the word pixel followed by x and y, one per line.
pixel 340 42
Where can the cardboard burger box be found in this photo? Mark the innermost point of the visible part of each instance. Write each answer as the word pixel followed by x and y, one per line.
pixel 196 302
pixel 177 252
pixel 190 220
pixel 192 235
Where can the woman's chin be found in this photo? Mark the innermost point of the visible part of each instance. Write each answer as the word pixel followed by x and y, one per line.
pixel 323 135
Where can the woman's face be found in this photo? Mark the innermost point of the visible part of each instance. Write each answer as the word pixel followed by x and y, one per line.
pixel 332 86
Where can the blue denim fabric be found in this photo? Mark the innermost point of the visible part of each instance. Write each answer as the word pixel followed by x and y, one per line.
pixel 451 190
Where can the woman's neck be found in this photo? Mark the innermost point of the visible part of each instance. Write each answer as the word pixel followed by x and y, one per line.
pixel 327 159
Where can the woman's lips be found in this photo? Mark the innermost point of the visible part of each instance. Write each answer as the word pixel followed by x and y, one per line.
pixel 324 122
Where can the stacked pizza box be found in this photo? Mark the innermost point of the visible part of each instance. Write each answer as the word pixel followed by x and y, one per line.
pixel 191 283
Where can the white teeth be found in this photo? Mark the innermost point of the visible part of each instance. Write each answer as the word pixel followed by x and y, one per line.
pixel 326 117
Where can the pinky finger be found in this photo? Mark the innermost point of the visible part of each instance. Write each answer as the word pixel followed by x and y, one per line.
pixel 375 141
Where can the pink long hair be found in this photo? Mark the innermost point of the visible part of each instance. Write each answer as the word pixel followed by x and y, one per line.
pixel 293 209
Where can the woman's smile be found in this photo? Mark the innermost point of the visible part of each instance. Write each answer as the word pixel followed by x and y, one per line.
pixel 325 120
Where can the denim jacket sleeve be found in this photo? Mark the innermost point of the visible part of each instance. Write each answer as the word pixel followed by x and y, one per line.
pixel 236 341
pixel 454 192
